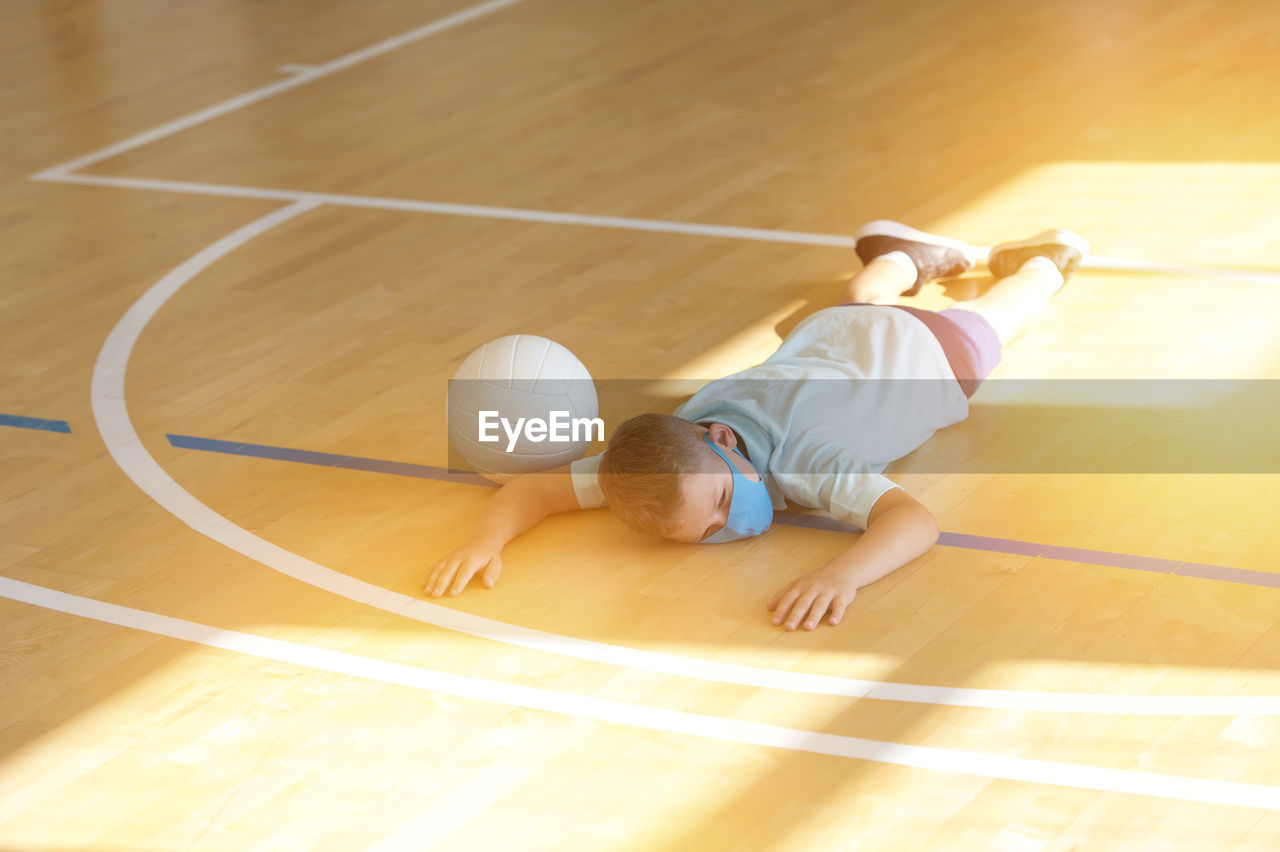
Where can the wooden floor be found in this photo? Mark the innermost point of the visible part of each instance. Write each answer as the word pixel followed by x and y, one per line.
pixel 583 146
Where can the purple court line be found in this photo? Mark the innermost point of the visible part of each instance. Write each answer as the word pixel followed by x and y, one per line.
pixel 1199 570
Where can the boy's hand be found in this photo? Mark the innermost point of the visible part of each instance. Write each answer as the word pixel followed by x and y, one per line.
pixel 808 598
pixel 452 573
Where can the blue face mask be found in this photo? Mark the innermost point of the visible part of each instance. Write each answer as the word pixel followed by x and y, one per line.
pixel 750 508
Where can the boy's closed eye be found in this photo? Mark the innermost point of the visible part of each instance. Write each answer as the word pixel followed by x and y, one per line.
pixel 724 501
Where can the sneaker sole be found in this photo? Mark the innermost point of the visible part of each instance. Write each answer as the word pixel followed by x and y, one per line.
pixel 1055 236
pixel 888 228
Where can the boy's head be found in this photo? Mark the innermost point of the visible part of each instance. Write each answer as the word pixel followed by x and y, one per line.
pixel 662 479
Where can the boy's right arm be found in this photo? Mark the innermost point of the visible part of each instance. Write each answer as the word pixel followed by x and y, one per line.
pixel 518 506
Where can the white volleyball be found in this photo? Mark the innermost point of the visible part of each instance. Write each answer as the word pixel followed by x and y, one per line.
pixel 521 404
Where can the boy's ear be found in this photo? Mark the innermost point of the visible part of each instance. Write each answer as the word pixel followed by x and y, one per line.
pixel 722 435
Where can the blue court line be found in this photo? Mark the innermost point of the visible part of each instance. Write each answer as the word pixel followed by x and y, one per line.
pixel 35 423
pixel 262 451
pixel 947 539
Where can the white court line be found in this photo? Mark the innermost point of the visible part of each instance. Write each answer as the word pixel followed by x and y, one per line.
pixel 449 209
pixel 272 89
pixel 1204 790
pixel 590 220
pixel 302 74
pixel 111 414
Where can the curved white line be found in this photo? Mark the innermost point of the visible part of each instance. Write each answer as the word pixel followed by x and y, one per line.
pixel 112 417
pixel 1207 790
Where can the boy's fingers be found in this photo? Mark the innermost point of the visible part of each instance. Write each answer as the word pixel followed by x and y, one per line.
pixel 432 574
pixel 798 611
pixel 838 606
pixel 463 576
pixel 442 579
pixel 818 610
pixel 491 573
pixel 788 596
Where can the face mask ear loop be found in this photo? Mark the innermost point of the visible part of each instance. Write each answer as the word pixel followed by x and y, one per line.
pixel 720 451
pixel 733 469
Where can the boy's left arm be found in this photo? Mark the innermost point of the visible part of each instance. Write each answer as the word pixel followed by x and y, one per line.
pixel 898 530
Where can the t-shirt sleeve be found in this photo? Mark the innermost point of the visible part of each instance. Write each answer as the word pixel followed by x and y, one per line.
pixel 585 473
pixel 833 480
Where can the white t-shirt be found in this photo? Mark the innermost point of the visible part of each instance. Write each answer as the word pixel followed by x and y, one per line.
pixel 851 389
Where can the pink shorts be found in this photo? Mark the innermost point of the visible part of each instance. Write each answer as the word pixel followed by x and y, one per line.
pixel 970 343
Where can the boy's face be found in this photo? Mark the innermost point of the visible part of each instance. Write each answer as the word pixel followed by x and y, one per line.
pixel 708 492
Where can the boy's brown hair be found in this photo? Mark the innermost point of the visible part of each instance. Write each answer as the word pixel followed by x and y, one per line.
pixel 640 471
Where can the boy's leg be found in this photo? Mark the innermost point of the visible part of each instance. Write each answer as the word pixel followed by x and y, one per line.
pixel 880 281
pixel 898 259
pixel 1029 272
pixel 971 334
